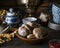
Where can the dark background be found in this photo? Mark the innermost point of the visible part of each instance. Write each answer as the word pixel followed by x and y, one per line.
pixel 13 3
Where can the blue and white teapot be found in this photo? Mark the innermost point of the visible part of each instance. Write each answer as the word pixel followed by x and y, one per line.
pixel 11 17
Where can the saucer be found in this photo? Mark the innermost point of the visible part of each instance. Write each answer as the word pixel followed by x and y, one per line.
pixel 53 25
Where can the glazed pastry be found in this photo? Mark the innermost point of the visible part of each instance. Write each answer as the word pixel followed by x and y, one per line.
pixel 37 32
pixel 5 38
pixel 33 25
pixel 23 31
pixel 31 36
pixel 3 12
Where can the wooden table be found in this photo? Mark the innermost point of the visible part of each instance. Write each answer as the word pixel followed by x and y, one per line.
pixel 17 43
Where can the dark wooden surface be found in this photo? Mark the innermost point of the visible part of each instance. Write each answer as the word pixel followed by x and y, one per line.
pixel 16 43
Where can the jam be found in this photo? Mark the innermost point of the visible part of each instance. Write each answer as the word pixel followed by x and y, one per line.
pixel 54 44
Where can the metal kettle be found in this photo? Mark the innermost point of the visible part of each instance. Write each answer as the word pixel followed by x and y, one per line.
pixel 29 2
pixel 29 6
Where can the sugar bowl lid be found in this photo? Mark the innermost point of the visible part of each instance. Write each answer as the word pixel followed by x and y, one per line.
pixel 11 13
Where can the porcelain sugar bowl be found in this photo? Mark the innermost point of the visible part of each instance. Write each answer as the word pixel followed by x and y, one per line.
pixel 11 17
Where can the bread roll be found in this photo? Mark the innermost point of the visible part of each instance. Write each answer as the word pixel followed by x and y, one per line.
pixel 27 27
pixel 38 36
pixel 31 36
pixel 23 31
pixel 37 32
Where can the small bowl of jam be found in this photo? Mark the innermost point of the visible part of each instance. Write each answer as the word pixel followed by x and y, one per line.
pixel 55 43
